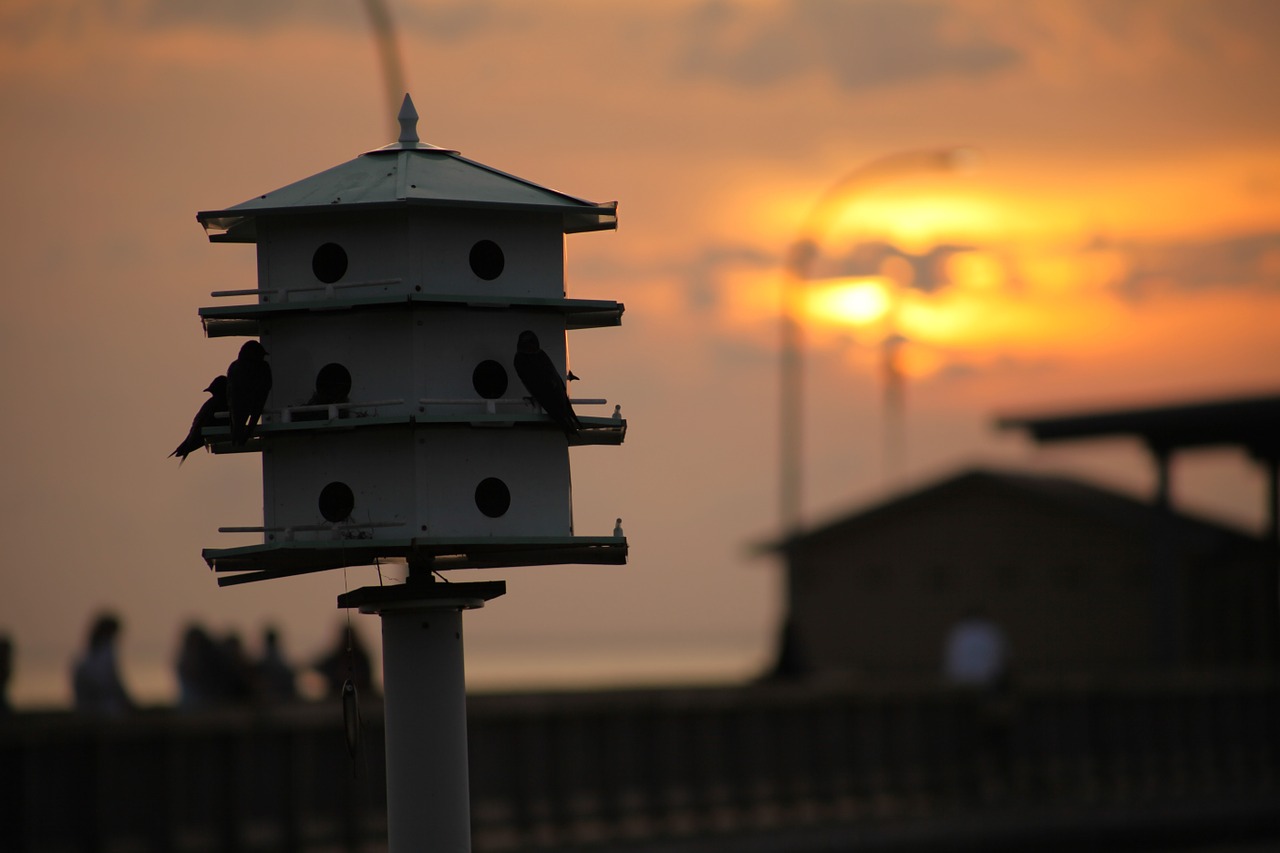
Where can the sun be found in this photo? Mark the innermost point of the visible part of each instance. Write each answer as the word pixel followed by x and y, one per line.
pixel 860 301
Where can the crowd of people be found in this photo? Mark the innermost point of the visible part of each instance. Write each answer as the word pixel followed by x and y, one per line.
pixel 212 671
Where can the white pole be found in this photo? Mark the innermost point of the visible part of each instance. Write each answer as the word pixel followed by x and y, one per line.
pixel 428 790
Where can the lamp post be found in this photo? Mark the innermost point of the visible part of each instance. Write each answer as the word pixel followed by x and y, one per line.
pixel 384 36
pixel 799 263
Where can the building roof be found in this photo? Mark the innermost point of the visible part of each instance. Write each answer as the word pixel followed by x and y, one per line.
pixel 408 173
pixel 1251 422
pixel 1058 493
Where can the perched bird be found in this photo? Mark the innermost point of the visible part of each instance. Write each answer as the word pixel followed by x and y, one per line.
pixel 544 382
pixel 205 417
pixel 570 377
pixel 248 383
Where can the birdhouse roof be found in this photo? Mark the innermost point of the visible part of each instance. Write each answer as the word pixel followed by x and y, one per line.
pixel 406 174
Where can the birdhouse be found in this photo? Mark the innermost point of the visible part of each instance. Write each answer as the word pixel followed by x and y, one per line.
pixel 394 292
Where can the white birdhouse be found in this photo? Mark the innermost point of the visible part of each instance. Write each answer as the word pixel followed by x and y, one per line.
pixel 392 292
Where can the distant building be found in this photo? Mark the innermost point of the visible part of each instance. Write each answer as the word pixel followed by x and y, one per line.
pixel 1081 580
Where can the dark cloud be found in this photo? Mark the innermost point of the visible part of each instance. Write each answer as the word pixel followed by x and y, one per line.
pixel 958 368
pixel 438 21
pixel 927 271
pixel 1248 261
pixel 862 44
pixel 442 21
pixel 702 274
pixel 247 14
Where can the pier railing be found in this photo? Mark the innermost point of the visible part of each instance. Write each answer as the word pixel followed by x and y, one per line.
pixel 670 770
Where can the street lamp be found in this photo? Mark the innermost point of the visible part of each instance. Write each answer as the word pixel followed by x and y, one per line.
pixel 384 36
pixel 799 263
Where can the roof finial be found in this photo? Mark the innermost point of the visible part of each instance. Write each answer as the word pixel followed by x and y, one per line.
pixel 408 119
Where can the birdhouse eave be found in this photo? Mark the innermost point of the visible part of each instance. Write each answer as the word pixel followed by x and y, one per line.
pixel 287 559
pixel 406 178
pixel 231 320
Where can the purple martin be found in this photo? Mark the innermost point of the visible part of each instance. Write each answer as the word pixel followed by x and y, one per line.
pixel 248 383
pixel 205 417
pixel 545 384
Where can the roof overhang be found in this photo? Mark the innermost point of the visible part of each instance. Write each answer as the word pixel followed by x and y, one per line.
pixel 1250 422
pixel 406 179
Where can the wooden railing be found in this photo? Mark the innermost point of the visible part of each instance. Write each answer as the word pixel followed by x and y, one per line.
pixel 666 769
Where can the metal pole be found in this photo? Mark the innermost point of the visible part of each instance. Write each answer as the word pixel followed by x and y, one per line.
pixel 425 708
pixel 428 799
pixel 791 390
pixel 798 264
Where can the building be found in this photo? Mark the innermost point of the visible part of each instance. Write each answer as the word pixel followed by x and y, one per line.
pixel 1083 581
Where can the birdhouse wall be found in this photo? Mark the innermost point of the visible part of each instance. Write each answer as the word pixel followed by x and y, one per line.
pixel 429 252
pixel 323 257
pixel 490 254
pixel 371 462
pixel 449 346
pixel 392 354
pixel 531 465
pixel 460 481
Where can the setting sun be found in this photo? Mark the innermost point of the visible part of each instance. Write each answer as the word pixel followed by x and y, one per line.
pixel 854 301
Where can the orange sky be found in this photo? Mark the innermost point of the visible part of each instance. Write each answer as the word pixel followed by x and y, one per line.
pixel 1119 241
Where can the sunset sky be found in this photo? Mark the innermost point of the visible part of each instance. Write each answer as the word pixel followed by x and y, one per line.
pixel 1113 238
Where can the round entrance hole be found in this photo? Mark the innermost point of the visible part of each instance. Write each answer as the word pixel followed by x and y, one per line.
pixel 329 263
pixel 336 502
pixel 333 384
pixel 493 498
pixel 489 379
pixel 487 260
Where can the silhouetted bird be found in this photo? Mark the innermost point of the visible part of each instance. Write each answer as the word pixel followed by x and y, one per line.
pixel 544 382
pixel 248 383
pixel 204 418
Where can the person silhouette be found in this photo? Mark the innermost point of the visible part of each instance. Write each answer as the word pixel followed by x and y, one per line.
pixel 275 679
pixel 95 677
pixel 6 672
pixel 199 670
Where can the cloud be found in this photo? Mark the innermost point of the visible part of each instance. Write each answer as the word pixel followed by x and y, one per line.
pixel 861 45
pixel 1247 261
pixel 23 23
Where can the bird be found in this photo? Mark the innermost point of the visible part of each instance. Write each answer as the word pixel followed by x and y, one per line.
pixel 248 383
pixel 205 417
pixel 544 382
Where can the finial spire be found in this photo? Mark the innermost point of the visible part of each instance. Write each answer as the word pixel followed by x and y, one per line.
pixel 409 140
pixel 408 119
